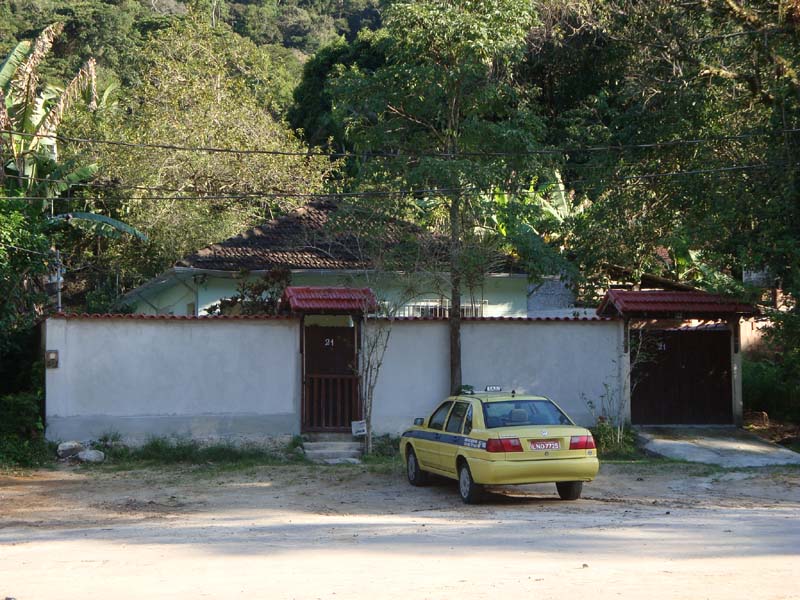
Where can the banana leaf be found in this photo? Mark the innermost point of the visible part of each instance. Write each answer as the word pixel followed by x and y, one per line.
pixel 12 62
pixel 104 225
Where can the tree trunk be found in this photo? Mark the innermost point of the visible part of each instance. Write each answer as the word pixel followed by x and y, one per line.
pixel 455 294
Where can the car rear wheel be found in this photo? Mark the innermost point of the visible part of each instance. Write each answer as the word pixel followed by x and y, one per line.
pixel 416 476
pixel 569 490
pixel 470 491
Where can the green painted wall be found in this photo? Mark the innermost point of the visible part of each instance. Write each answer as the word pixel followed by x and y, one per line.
pixel 502 296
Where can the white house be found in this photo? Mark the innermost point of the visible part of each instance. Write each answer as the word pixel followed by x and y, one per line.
pixel 301 243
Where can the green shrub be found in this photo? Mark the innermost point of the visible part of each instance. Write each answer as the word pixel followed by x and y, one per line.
pixel 21 415
pixel 385 445
pixel 608 446
pixel 161 450
pixel 22 442
pixel 19 452
pixel 765 387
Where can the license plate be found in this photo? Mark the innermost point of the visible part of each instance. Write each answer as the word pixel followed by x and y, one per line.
pixel 545 445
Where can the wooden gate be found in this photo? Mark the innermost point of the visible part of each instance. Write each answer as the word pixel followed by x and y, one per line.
pixel 685 379
pixel 331 382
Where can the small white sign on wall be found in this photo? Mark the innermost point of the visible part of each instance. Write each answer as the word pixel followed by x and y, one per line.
pixel 359 428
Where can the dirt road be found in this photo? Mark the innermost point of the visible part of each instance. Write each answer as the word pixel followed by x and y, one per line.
pixel 655 531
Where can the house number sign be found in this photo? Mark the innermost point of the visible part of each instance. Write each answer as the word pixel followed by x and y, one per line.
pixel 328 342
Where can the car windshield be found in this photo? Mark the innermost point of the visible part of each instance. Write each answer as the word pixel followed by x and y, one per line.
pixel 518 413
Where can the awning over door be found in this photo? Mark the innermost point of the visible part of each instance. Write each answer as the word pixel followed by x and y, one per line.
pixel 670 305
pixel 329 300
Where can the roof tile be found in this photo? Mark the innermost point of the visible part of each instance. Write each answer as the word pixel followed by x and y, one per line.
pixel 670 303
pixel 329 299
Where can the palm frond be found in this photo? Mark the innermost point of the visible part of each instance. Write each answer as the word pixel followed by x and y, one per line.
pixel 105 225
pixel 86 78
pixel 5 120
pixel 105 99
pixel 13 62
pixel 26 77
pixel 65 176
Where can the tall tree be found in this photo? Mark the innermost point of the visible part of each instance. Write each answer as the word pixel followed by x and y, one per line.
pixel 201 87
pixel 444 101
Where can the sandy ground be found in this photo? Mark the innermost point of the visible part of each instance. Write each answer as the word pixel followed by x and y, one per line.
pixel 655 531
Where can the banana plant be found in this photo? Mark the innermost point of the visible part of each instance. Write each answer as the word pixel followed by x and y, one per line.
pixel 29 118
pixel 30 114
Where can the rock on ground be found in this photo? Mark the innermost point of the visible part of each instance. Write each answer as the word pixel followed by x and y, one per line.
pixel 67 449
pixel 91 456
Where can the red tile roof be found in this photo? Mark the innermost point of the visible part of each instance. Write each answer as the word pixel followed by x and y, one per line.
pixel 329 299
pixel 298 240
pixel 515 319
pixel 310 238
pixel 137 316
pixel 626 303
pixel 141 317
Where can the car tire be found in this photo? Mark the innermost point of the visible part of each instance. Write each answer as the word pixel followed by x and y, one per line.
pixel 470 492
pixel 569 490
pixel 416 476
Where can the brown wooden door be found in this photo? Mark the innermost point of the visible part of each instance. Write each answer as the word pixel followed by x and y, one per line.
pixel 330 390
pixel 685 380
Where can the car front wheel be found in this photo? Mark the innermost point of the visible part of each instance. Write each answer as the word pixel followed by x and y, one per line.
pixel 416 476
pixel 470 491
pixel 569 490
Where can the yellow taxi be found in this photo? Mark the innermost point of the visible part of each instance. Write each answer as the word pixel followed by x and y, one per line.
pixel 500 439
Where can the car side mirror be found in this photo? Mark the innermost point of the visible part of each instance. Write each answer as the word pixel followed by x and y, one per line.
pixel 419 421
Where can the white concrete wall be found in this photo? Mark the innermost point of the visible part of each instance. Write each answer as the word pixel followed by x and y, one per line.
pixel 204 379
pixel 415 375
pixel 240 379
pixel 568 361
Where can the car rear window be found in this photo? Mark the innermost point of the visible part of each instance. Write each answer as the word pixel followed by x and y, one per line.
pixel 519 413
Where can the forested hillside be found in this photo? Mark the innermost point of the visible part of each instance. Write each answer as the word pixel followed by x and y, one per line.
pixel 601 140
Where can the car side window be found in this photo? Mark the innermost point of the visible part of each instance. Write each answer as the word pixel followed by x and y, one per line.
pixel 456 418
pixel 437 418
pixel 468 421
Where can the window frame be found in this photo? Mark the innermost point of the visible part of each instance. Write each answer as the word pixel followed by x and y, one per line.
pixel 452 414
pixel 446 415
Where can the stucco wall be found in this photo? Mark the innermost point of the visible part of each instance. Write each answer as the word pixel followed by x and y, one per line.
pixel 195 378
pixel 568 361
pixel 240 379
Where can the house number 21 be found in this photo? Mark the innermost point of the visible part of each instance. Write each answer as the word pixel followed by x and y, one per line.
pixel 328 342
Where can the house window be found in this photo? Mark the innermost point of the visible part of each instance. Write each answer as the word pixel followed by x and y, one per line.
pixel 441 308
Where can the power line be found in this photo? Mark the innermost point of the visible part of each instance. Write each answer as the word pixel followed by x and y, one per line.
pixel 417 191
pixel 756 166
pixel 257 195
pixel 28 250
pixel 307 153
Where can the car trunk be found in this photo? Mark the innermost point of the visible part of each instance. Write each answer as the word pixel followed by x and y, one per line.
pixel 544 442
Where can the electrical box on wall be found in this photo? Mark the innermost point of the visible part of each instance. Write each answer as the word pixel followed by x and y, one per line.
pixel 51 359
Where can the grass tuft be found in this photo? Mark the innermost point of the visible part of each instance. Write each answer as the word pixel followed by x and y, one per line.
pixel 170 451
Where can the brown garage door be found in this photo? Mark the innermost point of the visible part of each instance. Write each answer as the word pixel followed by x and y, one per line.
pixel 684 379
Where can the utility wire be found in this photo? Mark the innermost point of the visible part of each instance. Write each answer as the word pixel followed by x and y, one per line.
pixel 542 151
pixel 28 250
pixel 430 191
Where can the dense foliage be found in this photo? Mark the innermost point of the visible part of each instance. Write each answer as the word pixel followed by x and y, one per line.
pixel 602 140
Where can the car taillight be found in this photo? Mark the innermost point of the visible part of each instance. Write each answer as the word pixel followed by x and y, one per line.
pixel 581 442
pixel 504 445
